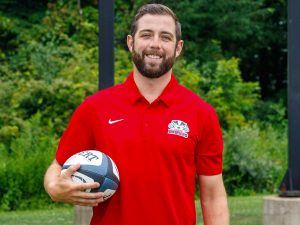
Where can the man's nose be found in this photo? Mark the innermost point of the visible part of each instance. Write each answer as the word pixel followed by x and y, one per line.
pixel 155 42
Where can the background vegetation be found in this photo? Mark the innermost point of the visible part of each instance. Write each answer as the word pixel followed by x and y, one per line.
pixel 234 58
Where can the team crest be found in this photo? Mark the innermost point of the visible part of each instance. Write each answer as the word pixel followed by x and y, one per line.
pixel 178 127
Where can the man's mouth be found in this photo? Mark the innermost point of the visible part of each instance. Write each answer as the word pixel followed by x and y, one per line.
pixel 153 56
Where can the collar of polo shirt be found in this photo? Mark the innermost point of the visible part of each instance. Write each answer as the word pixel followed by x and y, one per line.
pixel 166 97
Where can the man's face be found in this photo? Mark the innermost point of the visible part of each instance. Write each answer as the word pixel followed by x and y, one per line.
pixel 153 47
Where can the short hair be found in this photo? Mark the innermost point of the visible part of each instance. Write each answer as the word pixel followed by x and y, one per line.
pixel 156 9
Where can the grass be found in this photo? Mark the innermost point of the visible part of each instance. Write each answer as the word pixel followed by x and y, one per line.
pixel 243 210
pixel 56 216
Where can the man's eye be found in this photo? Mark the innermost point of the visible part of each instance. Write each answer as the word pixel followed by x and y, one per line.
pixel 145 35
pixel 166 38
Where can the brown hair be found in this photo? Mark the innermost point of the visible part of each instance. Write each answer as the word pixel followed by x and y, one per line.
pixel 156 9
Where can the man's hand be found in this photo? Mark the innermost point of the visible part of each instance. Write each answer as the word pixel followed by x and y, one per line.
pixel 61 188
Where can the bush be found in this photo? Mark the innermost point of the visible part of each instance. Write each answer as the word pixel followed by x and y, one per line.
pixel 24 166
pixel 220 84
pixel 123 65
pixel 224 88
pixel 270 112
pixel 255 160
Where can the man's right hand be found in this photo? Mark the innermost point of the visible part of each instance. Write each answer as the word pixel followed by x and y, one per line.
pixel 61 188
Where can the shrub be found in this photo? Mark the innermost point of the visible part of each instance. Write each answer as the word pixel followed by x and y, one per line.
pixel 24 166
pixel 255 160
pixel 270 112
pixel 123 65
pixel 224 88
pixel 221 85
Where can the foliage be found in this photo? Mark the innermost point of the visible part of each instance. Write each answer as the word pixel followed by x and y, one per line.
pixel 221 85
pixel 232 98
pixel 255 160
pixel 254 31
pixel 24 167
pixel 47 71
pixel 123 65
pixel 270 112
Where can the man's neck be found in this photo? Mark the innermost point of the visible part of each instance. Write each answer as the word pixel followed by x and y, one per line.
pixel 151 88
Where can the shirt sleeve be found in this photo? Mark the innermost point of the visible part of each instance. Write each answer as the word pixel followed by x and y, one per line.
pixel 78 135
pixel 210 146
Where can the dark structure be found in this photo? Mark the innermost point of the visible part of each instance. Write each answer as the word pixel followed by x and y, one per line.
pixel 290 186
pixel 106 43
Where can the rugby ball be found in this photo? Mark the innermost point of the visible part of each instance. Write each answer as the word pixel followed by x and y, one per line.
pixel 95 166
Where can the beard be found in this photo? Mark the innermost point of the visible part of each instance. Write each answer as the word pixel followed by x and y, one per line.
pixel 152 70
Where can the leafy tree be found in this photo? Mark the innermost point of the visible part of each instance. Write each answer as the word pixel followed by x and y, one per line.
pixel 221 85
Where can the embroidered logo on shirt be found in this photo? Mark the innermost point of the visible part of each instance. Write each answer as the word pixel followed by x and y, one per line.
pixel 114 121
pixel 178 127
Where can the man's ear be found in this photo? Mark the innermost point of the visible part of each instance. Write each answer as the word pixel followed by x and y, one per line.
pixel 179 47
pixel 130 43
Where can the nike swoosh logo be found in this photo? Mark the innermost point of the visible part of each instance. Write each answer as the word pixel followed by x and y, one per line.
pixel 114 121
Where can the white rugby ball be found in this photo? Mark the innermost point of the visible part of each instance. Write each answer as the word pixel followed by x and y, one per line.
pixel 95 166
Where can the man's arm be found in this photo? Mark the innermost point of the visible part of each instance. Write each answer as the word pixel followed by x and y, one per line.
pixel 213 200
pixel 61 188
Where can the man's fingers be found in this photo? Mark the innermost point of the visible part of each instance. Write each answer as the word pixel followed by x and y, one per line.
pixel 71 170
pixel 88 199
pixel 85 195
pixel 84 186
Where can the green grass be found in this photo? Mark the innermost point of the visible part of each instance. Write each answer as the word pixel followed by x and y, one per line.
pixel 56 216
pixel 243 211
pixel 247 210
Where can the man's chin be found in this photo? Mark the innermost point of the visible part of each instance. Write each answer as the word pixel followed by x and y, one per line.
pixel 153 74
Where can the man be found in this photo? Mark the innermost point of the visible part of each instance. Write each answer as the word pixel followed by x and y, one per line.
pixel 159 134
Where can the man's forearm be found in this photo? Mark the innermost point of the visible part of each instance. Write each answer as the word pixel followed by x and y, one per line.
pixel 215 212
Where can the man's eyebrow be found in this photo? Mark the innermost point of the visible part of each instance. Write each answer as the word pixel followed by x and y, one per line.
pixel 146 30
pixel 168 33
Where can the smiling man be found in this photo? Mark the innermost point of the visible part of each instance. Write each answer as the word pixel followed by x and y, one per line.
pixel 160 135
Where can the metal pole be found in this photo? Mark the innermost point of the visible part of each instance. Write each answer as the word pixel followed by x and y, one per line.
pixel 106 43
pixel 290 185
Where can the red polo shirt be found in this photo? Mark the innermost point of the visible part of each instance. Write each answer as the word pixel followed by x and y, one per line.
pixel 158 149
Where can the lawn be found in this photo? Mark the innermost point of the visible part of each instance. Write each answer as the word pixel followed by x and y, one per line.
pixel 243 210
pixel 56 216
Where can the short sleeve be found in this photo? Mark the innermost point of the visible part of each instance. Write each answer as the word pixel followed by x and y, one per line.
pixel 210 146
pixel 78 135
